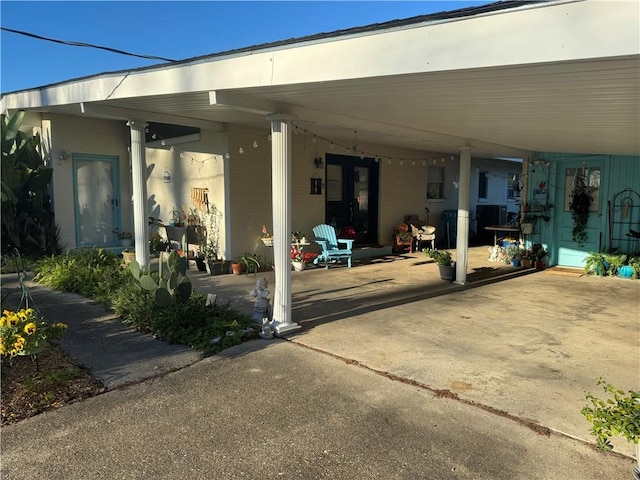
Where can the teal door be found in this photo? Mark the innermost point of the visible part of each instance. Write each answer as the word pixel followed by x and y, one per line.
pixel 570 251
pixel 97 212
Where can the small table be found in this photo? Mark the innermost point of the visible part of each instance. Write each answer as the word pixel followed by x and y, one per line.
pixel 500 228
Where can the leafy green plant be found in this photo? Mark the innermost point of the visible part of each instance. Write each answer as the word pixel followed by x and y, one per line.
pixel 538 252
pixel 176 287
pixel 615 261
pixel 634 262
pixel 513 251
pixel 579 208
pixel 596 263
pixel 440 257
pixel 90 272
pixel 27 219
pixel 251 262
pixel 184 319
pixel 617 415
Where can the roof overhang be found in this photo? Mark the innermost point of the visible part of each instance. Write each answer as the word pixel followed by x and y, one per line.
pixel 552 76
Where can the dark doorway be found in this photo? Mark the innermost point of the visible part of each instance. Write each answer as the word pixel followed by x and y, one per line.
pixel 352 197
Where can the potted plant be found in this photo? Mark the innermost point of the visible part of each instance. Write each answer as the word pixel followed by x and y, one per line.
pixel 209 241
pixel 250 263
pixel 125 238
pixel 299 259
pixel 514 254
pixel 615 416
pixel 527 258
pixel 266 237
pixel 443 259
pixel 579 207
pixel 527 224
pixel 615 261
pixel 128 255
pixel 539 254
pixel 596 263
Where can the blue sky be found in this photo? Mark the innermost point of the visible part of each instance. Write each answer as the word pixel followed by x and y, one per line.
pixel 175 30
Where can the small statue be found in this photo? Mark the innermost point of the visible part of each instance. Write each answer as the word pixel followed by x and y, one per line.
pixel 262 307
pixel 267 331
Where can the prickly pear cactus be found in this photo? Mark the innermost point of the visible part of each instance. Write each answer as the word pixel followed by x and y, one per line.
pixel 170 288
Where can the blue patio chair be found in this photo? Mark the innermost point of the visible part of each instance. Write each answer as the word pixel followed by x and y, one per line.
pixel 330 243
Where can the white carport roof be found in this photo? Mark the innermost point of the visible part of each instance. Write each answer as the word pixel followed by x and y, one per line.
pixel 504 79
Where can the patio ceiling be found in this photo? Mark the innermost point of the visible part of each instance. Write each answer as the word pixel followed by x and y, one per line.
pixel 587 107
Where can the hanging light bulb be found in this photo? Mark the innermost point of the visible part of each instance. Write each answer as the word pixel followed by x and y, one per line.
pixel 171 148
pixel 241 150
pixel 255 144
pixel 413 163
pixel 434 161
pixel 269 137
pixel 227 156
pixel 442 159
pixel 424 162
pixel 389 161
pixel 401 161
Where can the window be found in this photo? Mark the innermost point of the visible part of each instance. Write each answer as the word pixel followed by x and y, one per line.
pixel 514 185
pixel 483 184
pixel 435 182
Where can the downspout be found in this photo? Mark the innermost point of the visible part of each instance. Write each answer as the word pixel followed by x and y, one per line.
pixel 462 240
pixel 139 186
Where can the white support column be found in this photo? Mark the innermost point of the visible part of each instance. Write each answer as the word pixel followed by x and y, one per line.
pixel 139 185
pixel 462 241
pixel 281 184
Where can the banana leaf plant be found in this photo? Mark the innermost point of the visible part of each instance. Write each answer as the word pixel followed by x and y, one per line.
pixel 27 223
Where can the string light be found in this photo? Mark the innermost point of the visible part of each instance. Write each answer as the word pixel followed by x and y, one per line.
pixel 353 148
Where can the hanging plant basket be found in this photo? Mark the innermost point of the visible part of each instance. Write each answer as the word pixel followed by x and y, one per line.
pixel 579 208
pixel 268 241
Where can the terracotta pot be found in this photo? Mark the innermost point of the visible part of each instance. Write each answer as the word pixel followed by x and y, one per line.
pixel 237 268
pixel 128 257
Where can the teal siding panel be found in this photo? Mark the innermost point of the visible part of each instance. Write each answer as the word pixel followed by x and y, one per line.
pixel 618 173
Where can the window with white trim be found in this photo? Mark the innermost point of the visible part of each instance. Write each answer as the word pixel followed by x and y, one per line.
pixel 435 182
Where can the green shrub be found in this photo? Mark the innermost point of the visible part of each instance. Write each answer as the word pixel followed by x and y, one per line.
pixel 98 274
pixel 91 272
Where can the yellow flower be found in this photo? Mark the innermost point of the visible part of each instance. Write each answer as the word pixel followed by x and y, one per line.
pixel 3 349
pixel 12 319
pixel 22 314
pixel 19 340
pixel 6 312
pixel 61 326
pixel 30 328
pixel 3 321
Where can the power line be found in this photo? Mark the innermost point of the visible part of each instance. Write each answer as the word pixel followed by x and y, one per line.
pixel 88 45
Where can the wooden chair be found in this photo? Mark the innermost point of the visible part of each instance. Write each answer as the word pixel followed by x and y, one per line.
pixel 330 243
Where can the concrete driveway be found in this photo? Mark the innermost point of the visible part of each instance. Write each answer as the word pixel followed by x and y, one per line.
pixel 526 346
pixel 394 374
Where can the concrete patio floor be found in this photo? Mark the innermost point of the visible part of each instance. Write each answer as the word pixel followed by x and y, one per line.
pixel 522 344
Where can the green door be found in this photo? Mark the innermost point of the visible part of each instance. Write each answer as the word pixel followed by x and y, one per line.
pixel 570 251
pixel 97 212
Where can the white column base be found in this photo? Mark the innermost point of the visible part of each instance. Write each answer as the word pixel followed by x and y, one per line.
pixel 281 328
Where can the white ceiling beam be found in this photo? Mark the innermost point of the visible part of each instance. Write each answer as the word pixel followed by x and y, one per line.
pixel 118 113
